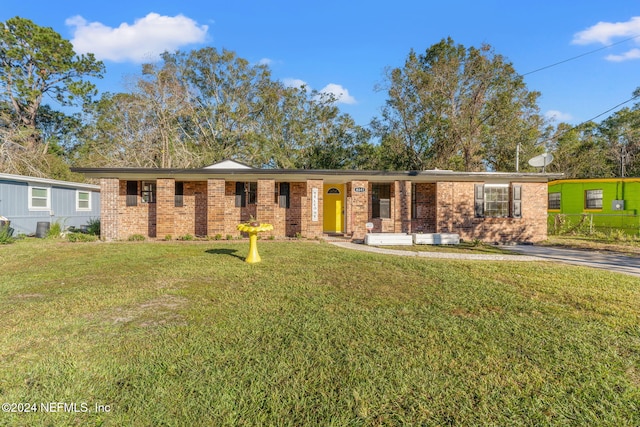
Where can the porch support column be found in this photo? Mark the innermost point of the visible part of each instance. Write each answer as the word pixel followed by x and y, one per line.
pixel 165 207
pixel 265 208
pixel 357 208
pixel 403 204
pixel 109 192
pixel 215 206
pixel 312 209
pixel 444 207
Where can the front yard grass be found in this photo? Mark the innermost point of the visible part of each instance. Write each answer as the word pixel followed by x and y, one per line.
pixel 186 333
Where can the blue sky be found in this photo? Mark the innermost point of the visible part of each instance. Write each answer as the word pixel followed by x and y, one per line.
pixel 345 46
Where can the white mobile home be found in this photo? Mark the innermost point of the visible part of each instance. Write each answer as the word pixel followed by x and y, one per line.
pixel 26 201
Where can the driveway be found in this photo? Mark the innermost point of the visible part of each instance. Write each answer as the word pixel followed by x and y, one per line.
pixel 611 261
pixel 605 260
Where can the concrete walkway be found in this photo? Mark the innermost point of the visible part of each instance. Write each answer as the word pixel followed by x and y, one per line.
pixel 614 262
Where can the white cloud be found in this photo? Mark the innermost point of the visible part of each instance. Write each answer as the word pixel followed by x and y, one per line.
pixel 605 32
pixel 341 93
pixel 140 42
pixel 558 116
pixel 265 61
pixel 631 54
pixel 297 83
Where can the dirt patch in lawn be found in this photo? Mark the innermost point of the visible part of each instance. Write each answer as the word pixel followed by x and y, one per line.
pixel 154 312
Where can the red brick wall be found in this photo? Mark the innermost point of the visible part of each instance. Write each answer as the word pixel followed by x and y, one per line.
pixel 294 222
pixel 357 209
pixel 165 202
pixel 192 217
pixel 139 219
pixel 266 206
pixel 455 214
pixel 216 204
pixel 425 209
pixel 311 228
pixel 209 209
pixel 109 206
pixel 235 215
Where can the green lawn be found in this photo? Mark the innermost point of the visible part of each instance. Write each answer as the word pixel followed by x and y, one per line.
pixel 187 334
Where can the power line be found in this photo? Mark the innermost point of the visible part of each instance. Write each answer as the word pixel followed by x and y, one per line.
pixel 609 110
pixel 561 134
pixel 581 55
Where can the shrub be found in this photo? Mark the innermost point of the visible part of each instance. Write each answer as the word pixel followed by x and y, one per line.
pixel 93 226
pixel 217 237
pixel 55 230
pixel 229 237
pixel 81 237
pixel 186 237
pixel 136 238
pixel 6 235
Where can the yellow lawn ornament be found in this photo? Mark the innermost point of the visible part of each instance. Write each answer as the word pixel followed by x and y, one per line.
pixel 253 231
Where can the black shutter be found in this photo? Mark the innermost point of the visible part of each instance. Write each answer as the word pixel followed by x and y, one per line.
pixel 240 195
pixel 284 195
pixel 479 201
pixel 179 195
pixel 516 201
pixel 132 193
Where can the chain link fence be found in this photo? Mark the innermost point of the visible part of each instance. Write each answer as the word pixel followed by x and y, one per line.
pixel 592 223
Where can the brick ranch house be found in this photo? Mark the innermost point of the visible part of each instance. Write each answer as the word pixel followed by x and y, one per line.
pixel 489 206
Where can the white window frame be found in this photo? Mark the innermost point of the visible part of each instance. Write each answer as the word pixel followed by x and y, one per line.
pixel 507 201
pixel 78 208
pixel 48 198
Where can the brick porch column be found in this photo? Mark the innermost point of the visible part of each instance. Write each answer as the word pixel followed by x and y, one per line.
pixel 109 192
pixel 403 206
pixel 312 209
pixel 444 207
pixel 357 208
pixel 165 207
pixel 265 207
pixel 215 206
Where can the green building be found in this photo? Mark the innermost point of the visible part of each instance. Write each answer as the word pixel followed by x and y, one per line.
pixel 594 204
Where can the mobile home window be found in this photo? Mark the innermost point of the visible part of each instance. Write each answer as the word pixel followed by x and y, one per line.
pixel 148 193
pixel 83 200
pixel 593 199
pixel 39 198
pixel 554 200
pixel 381 201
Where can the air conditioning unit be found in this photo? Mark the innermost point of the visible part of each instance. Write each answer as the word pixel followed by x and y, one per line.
pixel 617 205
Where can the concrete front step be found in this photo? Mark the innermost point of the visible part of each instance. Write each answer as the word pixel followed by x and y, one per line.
pixel 388 239
pixel 436 239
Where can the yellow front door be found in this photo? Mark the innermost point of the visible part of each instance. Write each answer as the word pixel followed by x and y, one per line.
pixel 333 211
